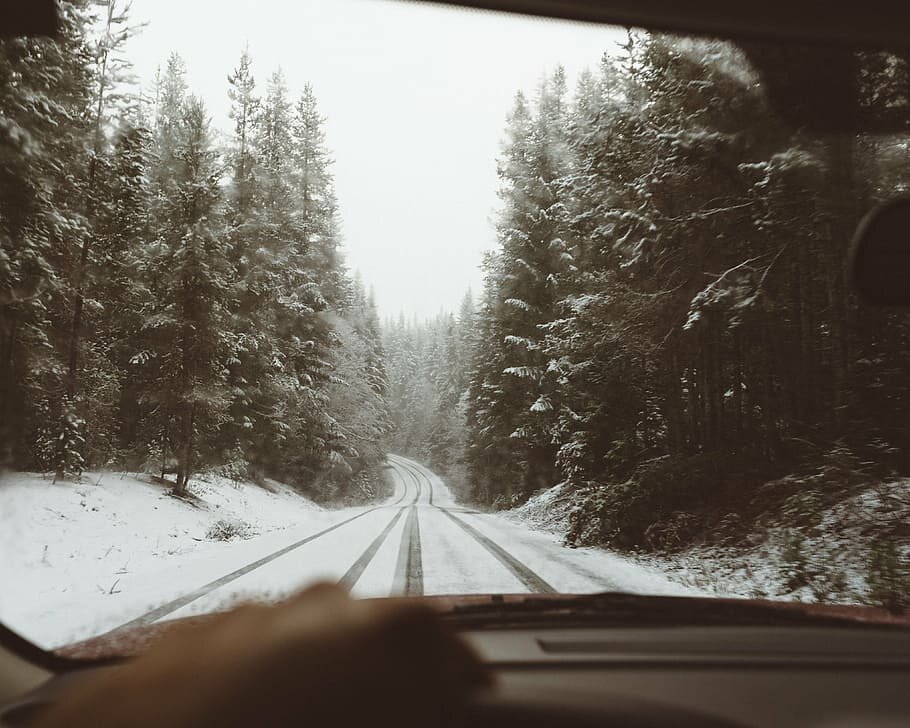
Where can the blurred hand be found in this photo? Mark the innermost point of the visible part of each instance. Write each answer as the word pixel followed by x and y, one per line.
pixel 320 659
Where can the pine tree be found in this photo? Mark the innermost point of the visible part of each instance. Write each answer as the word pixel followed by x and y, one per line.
pixel 356 404
pixel 45 91
pixel 315 188
pixel 253 427
pixel 522 291
pixel 121 234
pixel 245 108
pixel 186 325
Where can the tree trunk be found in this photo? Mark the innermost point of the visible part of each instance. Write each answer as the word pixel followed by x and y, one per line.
pixel 164 440
pixel 186 456
pixel 695 438
pixel 845 192
pixel 715 352
pixel 772 436
pixel 673 403
pixel 707 416
pixel 738 388
pixel 804 395
pixel 7 357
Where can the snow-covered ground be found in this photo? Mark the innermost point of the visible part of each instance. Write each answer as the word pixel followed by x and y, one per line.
pixel 78 559
pixel 825 559
pixel 83 559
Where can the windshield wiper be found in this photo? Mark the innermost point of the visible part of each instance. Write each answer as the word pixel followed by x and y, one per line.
pixel 631 610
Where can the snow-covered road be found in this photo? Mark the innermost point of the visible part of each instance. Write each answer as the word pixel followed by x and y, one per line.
pixel 418 542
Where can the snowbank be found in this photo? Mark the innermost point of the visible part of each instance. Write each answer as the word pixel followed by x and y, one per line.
pixel 79 559
pixel 826 558
pixel 549 510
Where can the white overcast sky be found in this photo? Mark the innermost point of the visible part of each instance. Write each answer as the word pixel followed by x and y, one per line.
pixel 415 97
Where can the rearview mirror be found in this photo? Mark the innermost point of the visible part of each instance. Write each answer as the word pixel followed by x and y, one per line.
pixel 880 264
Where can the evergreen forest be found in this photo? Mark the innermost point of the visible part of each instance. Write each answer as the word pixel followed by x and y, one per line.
pixel 666 325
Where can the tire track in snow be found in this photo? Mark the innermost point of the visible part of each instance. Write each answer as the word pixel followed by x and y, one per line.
pixel 527 576
pixel 603 582
pixel 358 567
pixel 409 569
pixel 150 617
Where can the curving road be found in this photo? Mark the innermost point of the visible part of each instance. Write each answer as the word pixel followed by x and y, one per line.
pixel 419 542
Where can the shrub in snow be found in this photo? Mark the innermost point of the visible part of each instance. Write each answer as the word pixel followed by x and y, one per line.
pixel 794 566
pixel 619 514
pixel 505 502
pixel 226 530
pixel 236 468
pixel 69 462
pixel 44 442
pixel 803 508
pixel 889 576
pixel 674 532
pixel 729 530
pixel 58 440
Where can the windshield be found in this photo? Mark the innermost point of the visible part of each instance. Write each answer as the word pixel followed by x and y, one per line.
pixel 431 301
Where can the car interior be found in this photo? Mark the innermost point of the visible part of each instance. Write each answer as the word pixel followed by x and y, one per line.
pixel 630 663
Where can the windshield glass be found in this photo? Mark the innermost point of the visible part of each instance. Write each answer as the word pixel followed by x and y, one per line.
pixel 430 301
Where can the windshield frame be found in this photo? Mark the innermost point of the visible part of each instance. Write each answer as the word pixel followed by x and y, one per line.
pixel 726 30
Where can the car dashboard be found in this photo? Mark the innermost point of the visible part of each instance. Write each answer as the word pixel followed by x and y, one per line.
pixel 829 677
pixel 746 676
